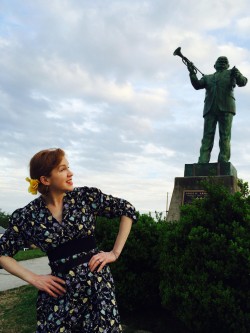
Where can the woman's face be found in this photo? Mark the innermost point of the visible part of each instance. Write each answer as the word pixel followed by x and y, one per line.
pixel 60 179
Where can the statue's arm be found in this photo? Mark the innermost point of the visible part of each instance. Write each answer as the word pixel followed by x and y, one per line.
pixel 196 83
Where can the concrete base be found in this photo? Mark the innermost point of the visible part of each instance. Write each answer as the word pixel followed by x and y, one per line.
pixel 189 187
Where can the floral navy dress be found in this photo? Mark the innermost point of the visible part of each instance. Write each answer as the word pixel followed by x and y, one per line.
pixel 89 305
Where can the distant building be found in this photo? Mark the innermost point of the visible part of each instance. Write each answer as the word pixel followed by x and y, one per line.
pixel 2 230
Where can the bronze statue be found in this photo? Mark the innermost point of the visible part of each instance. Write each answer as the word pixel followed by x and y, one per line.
pixel 219 104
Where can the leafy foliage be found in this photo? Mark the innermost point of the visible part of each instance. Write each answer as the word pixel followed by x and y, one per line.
pixel 205 263
pixel 4 219
pixel 136 273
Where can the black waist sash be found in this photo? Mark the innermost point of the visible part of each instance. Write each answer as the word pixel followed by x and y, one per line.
pixel 72 247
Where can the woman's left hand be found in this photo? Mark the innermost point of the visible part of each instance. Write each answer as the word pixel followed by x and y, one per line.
pixel 101 259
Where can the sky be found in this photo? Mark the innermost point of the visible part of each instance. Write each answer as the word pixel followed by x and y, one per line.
pixel 98 79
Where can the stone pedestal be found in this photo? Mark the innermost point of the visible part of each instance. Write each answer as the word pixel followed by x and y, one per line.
pixel 210 169
pixel 188 187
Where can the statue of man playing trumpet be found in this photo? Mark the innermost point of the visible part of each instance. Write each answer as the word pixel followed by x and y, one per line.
pixel 219 106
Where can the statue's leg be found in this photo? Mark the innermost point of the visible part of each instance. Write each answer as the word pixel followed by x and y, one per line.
pixel 210 121
pixel 225 125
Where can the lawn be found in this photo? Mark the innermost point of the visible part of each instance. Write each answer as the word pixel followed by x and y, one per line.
pixel 29 254
pixel 17 310
pixel 17 306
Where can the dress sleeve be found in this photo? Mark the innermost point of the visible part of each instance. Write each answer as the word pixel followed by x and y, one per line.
pixel 109 206
pixel 13 238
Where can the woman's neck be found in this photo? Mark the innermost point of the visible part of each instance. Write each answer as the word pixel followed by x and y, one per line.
pixel 55 200
pixel 54 204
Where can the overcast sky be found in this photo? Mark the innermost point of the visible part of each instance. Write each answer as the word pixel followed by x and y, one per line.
pixel 98 78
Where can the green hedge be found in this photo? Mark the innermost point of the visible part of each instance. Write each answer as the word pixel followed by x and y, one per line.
pixel 205 263
pixel 136 273
pixel 4 219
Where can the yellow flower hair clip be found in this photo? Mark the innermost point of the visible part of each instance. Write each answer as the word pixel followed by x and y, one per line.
pixel 33 185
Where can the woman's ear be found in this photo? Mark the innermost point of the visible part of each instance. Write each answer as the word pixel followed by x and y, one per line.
pixel 44 180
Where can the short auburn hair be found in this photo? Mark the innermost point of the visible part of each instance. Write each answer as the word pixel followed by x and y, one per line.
pixel 42 163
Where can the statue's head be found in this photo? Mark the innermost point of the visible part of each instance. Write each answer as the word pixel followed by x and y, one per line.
pixel 221 64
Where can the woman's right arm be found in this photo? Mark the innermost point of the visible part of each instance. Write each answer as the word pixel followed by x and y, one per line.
pixel 48 283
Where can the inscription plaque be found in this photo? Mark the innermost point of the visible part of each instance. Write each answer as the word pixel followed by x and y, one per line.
pixel 190 195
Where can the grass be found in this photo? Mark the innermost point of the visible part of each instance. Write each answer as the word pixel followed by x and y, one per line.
pixel 29 254
pixel 17 310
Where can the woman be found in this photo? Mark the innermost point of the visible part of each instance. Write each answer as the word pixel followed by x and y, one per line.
pixel 78 295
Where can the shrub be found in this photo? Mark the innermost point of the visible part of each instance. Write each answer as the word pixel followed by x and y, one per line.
pixel 205 263
pixel 4 219
pixel 136 273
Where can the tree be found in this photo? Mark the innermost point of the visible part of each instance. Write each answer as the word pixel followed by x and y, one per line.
pixel 4 219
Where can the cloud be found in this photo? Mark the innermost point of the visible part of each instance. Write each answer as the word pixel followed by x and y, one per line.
pixel 243 25
pixel 99 79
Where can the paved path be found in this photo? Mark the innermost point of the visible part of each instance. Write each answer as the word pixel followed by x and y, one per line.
pixel 38 265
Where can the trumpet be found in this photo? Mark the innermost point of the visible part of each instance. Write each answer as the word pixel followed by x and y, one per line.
pixel 186 61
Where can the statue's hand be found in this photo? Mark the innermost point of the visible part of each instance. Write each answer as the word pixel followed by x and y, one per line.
pixel 235 72
pixel 191 68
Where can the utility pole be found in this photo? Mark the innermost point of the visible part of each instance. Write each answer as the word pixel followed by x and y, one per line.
pixel 167 206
